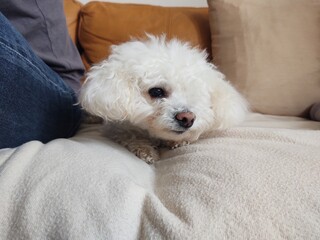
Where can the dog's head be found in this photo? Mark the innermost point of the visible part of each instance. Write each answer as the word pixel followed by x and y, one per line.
pixel 165 87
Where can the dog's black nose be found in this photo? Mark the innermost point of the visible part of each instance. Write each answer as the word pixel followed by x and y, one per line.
pixel 185 119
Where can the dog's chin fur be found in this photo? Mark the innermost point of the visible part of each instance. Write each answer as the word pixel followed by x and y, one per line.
pixel 117 90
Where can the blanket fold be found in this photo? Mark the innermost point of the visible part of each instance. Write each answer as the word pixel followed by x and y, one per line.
pixel 243 183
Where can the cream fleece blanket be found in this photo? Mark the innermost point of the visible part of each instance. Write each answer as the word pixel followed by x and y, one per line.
pixel 250 182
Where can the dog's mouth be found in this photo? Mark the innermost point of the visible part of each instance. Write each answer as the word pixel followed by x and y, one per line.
pixel 179 131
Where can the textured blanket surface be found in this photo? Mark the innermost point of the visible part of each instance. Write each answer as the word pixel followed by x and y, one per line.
pixel 257 181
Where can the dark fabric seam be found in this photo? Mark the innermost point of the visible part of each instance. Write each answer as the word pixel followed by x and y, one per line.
pixel 46 26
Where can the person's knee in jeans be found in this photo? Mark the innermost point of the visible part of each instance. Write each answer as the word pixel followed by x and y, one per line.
pixel 36 103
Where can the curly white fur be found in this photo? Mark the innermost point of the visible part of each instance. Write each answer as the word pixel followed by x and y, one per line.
pixel 117 90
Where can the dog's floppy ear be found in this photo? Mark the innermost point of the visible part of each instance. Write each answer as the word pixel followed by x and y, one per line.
pixel 107 91
pixel 229 106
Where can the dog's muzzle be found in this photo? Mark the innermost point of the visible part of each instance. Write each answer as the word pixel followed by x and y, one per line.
pixel 185 119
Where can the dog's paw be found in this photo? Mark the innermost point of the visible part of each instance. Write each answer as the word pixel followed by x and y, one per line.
pixel 173 145
pixel 149 154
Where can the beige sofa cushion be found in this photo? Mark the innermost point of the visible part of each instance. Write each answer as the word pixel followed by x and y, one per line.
pixel 270 50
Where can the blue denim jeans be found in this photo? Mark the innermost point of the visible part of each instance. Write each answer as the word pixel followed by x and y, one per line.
pixel 35 102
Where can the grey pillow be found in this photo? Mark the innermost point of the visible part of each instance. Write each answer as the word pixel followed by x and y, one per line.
pixel 43 24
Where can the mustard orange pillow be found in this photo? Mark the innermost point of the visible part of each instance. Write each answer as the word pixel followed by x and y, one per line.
pixel 72 9
pixel 103 24
pixel 270 50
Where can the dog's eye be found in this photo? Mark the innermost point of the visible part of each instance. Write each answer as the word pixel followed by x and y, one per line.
pixel 157 93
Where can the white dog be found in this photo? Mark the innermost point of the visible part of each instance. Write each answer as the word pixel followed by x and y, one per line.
pixel 153 90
